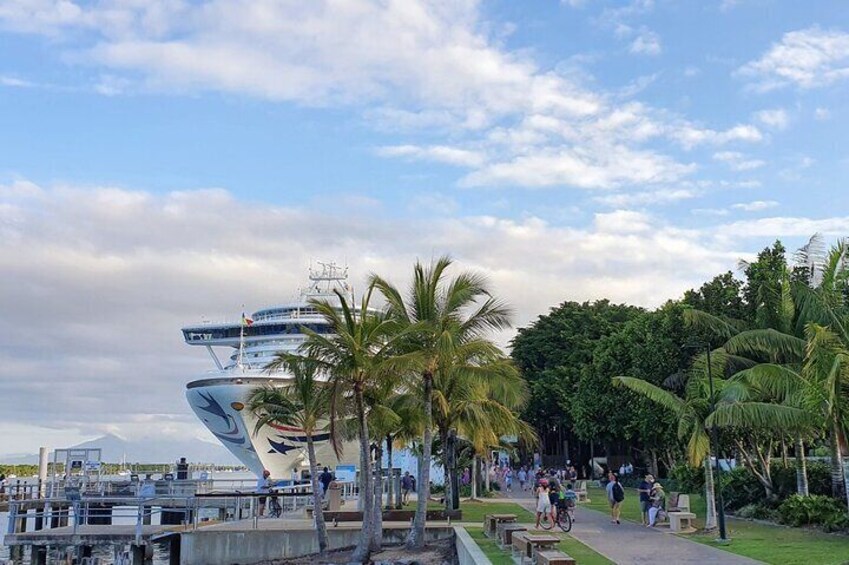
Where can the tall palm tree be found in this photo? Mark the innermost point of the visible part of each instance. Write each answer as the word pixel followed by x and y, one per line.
pixel 306 403
pixel 442 315
pixel 480 402
pixel 357 353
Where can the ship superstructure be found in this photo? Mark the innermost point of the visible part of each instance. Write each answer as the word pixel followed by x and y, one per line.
pixel 220 399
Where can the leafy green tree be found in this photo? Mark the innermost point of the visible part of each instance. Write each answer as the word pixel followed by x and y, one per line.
pixel 552 355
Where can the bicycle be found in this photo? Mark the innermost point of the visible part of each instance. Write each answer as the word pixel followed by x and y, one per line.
pixel 274 508
pixel 563 520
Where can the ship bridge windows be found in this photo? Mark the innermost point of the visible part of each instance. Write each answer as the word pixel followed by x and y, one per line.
pixel 256 330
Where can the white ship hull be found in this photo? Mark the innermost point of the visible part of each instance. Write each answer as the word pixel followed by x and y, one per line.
pixel 221 404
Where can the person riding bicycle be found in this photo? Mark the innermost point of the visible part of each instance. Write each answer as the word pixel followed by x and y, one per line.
pixel 569 500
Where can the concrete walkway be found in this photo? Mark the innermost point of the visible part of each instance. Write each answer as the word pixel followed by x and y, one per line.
pixel 632 544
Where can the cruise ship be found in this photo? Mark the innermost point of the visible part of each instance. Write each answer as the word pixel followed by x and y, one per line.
pixel 220 398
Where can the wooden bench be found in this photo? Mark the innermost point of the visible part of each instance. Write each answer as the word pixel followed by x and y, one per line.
pixel 505 531
pixel 581 491
pixel 491 521
pixel 681 522
pixel 553 557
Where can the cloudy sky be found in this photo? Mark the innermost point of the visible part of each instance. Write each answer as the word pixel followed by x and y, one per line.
pixel 162 161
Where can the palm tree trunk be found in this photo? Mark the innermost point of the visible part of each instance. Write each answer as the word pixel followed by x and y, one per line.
pixel 801 469
pixel 474 477
pixel 377 533
pixel 416 538
pixel 318 512
pixel 710 497
pixel 838 489
pixel 361 552
pixel 447 467
pixel 390 487
pixel 486 473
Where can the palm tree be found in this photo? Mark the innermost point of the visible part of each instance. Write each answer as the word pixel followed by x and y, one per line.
pixel 480 402
pixel 357 353
pixel 306 403
pixel 692 412
pixel 441 314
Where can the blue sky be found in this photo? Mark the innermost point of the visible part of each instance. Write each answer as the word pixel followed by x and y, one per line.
pixel 164 160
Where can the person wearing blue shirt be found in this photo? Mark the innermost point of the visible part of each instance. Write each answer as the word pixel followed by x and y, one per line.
pixel 644 489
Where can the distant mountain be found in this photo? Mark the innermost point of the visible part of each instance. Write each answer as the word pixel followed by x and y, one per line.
pixel 146 450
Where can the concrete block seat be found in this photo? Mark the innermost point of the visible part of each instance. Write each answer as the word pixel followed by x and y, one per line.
pixel 519 546
pixel 505 532
pixel 491 521
pixel 553 557
pixel 681 522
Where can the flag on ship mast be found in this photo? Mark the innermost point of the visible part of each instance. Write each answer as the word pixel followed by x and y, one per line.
pixel 246 321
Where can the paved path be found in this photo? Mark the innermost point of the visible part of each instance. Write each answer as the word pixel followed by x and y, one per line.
pixel 632 544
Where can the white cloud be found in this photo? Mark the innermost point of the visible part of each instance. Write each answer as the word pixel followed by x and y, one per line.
pixel 728 5
pixel 775 118
pixel 646 43
pixel 807 58
pixel 439 153
pixel 756 205
pixel 14 82
pixel 737 161
pixel 409 66
pixel 709 211
pixel 102 264
pixel 822 114
pixel 649 197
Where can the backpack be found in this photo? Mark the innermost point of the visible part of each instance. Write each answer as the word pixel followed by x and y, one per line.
pixel 618 493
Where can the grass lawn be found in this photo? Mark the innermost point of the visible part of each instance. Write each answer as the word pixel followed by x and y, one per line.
pixel 772 544
pixel 475 511
pixel 582 554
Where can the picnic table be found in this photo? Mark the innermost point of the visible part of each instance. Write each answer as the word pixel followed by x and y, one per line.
pixel 525 544
pixel 491 521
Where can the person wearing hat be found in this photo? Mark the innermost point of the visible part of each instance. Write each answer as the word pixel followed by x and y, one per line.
pixel 658 503
pixel 644 490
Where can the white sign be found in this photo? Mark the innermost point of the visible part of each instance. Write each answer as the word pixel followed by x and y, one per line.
pixel 346 473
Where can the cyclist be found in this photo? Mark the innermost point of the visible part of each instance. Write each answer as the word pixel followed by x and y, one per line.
pixel 569 500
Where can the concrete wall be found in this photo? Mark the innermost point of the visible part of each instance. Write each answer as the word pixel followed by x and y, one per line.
pixel 213 547
pixel 468 551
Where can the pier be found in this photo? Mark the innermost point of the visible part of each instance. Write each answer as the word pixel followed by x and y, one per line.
pixel 143 514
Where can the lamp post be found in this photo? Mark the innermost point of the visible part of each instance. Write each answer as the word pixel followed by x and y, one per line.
pixel 720 505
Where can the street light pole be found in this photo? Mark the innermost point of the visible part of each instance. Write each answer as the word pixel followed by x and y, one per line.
pixel 720 510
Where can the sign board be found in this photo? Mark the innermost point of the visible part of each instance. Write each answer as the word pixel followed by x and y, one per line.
pixel 92 466
pixel 76 465
pixel 346 473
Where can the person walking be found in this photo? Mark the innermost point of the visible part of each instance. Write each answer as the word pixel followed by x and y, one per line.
pixel 644 490
pixel 508 479
pixel 615 496
pixel 543 501
pixel 522 475
pixel 325 478
pixel 406 486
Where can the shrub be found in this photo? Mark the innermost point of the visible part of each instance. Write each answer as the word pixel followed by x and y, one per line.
pixel 740 488
pixel 759 511
pixel 688 479
pixel 815 510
